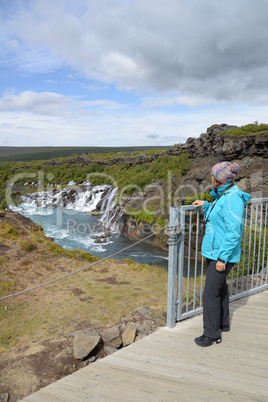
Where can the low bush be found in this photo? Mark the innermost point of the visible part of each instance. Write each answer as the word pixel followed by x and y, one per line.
pixel 248 129
pixel 199 196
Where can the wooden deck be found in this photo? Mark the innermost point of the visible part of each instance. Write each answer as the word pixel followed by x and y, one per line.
pixel 168 365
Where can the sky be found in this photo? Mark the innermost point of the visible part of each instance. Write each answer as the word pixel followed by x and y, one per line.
pixel 129 72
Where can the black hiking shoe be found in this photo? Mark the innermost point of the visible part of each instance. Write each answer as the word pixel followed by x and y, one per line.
pixel 205 341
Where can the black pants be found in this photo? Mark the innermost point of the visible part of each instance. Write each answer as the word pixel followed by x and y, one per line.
pixel 215 300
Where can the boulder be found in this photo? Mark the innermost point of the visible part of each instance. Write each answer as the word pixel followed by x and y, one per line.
pixel 108 350
pixel 112 336
pixel 84 344
pixel 129 334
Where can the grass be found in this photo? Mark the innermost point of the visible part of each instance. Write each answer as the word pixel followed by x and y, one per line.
pixel 28 318
pixel 249 129
pixel 100 295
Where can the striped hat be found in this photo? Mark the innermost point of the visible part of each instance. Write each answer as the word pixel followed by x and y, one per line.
pixel 225 172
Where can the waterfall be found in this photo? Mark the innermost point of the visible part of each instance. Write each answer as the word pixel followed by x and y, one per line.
pixel 86 198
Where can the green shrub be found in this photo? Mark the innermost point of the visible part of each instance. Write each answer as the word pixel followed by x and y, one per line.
pixel 142 215
pixel 248 129
pixel 199 196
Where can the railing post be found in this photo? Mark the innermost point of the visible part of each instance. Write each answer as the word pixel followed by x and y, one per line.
pixel 181 264
pixel 173 233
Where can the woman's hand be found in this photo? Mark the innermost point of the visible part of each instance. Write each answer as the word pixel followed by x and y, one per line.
pixel 198 203
pixel 220 266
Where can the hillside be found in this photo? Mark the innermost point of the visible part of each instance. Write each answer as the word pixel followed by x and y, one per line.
pixel 9 154
pixel 36 327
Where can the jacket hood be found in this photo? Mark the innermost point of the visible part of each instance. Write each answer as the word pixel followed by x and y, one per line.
pixel 245 197
pixel 216 192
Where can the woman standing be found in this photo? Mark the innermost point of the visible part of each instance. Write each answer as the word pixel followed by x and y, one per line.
pixel 224 221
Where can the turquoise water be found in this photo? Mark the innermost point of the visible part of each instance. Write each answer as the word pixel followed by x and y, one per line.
pixel 74 230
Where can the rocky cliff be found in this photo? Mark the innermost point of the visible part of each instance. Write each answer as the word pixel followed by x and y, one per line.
pixel 250 152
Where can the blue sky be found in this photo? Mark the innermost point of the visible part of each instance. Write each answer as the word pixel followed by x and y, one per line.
pixel 129 72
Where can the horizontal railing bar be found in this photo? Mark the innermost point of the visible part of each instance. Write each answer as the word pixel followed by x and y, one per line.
pixel 191 313
pixel 252 201
pixel 249 292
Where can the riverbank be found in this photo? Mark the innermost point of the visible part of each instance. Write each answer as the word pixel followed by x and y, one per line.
pixel 36 327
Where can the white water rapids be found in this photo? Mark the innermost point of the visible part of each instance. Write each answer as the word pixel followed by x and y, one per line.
pixel 66 215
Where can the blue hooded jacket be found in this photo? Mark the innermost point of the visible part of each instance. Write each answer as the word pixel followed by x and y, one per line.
pixel 225 223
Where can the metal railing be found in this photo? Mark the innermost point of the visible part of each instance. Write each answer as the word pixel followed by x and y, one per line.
pixel 187 268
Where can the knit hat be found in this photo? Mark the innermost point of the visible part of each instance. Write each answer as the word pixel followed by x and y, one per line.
pixel 225 172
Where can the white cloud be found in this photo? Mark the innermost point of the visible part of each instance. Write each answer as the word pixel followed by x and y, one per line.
pixel 195 48
pixel 173 101
pixel 125 127
pixel 167 69
pixel 52 104
pixel 40 103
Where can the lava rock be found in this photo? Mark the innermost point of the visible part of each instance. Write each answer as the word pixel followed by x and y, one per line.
pixel 112 336
pixel 84 344
pixel 129 334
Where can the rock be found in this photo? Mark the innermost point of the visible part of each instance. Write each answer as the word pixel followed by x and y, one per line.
pixel 108 350
pixel 129 334
pixel 112 336
pixel 139 337
pixel 91 359
pixel 4 397
pixel 84 344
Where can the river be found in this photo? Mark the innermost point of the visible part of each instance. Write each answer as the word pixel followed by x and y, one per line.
pixel 74 229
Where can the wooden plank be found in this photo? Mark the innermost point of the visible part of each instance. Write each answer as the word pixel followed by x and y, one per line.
pixel 224 349
pixel 168 352
pixel 83 392
pixel 238 326
pixel 256 312
pixel 41 396
pixel 176 380
pixel 238 341
pixel 132 389
pixel 195 366
pixel 248 383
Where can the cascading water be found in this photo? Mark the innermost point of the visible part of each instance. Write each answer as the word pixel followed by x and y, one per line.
pixel 66 215
pixel 101 198
pixel 111 213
